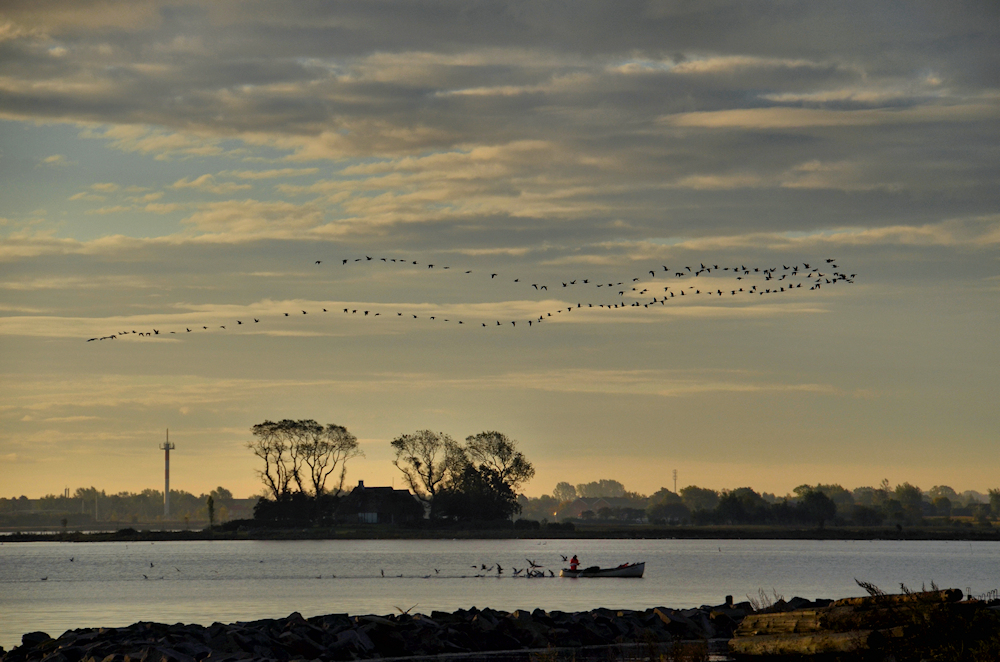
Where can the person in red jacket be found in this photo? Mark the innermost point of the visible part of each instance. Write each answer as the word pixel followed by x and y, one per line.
pixel 574 562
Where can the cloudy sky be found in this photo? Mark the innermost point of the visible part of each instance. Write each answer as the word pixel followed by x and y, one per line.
pixel 173 165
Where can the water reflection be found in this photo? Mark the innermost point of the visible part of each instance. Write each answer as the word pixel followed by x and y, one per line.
pixel 114 584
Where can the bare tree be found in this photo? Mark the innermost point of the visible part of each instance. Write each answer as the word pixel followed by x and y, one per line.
pixel 297 435
pixel 426 459
pixel 499 453
pixel 326 451
pixel 271 446
pixel 302 452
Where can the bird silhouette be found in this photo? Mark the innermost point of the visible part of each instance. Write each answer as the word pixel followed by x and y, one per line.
pixel 766 273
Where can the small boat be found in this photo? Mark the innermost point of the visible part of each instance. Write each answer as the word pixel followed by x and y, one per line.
pixel 624 570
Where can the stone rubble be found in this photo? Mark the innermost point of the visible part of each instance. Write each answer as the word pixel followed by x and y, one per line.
pixel 342 637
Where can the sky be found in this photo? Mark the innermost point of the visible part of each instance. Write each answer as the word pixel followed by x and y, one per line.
pixel 171 165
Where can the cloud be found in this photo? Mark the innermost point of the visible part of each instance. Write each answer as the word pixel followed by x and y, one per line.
pixel 161 143
pixel 89 197
pixel 15 458
pixel 112 209
pixel 76 283
pixel 981 232
pixel 164 208
pixel 57 160
pixel 149 197
pixel 799 118
pixel 105 187
pixel 662 383
pixel 207 183
pixel 269 174
pixel 245 220
pixel 111 391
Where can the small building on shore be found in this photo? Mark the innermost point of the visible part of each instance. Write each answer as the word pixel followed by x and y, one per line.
pixel 379 505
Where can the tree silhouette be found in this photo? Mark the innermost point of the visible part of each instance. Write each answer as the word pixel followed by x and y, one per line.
pixel 304 453
pixel 496 451
pixel 426 459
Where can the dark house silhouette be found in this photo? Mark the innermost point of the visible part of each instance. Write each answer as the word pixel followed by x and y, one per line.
pixel 379 505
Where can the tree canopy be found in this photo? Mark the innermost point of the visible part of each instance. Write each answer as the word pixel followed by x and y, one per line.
pixel 426 458
pixel 497 452
pixel 302 455
pixel 476 481
pixel 564 492
pixel 600 488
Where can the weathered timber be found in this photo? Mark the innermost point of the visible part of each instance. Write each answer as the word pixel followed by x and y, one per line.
pixel 925 597
pixel 840 617
pixel 789 622
pixel 812 643
pixel 882 624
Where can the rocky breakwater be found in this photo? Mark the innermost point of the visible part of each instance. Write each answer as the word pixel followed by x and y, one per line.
pixel 342 637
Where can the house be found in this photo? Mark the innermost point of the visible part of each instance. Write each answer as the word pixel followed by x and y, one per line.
pixel 621 507
pixel 581 505
pixel 379 505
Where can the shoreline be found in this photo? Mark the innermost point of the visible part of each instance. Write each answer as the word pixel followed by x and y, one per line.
pixel 908 626
pixel 375 532
pixel 459 636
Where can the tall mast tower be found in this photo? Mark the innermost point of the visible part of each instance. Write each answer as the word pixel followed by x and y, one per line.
pixel 166 448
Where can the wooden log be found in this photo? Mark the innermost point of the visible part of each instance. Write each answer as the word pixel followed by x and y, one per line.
pixel 803 620
pixel 843 618
pixel 946 595
pixel 812 643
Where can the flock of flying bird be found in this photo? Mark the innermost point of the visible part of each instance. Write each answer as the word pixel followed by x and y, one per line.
pixel 645 291
pixel 531 571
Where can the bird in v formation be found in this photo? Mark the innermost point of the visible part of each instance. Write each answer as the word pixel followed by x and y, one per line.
pixel 813 277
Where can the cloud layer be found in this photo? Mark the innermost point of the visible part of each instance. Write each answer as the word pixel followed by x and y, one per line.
pixel 166 162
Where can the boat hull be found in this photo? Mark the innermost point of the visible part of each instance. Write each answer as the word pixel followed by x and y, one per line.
pixel 627 570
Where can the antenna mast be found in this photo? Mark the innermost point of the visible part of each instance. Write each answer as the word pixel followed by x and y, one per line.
pixel 166 448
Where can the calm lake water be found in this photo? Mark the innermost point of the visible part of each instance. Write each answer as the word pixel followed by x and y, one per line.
pixel 115 584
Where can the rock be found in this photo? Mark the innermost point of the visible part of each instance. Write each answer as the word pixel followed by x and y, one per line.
pixel 33 639
pixel 343 637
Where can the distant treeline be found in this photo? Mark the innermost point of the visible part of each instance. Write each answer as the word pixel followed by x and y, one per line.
pixel 88 505
pixel 608 500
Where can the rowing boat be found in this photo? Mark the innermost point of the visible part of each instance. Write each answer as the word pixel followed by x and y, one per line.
pixel 624 570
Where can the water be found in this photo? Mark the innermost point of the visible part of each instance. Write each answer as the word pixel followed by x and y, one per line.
pixel 114 584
